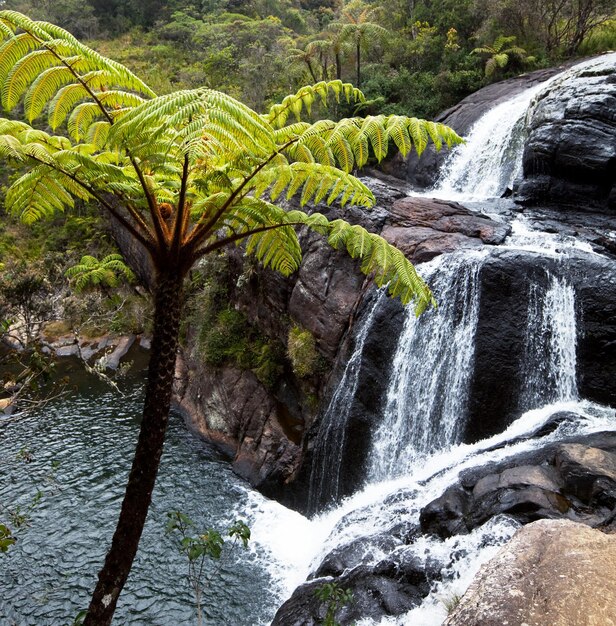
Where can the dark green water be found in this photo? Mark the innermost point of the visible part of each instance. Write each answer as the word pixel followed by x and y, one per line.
pixel 47 577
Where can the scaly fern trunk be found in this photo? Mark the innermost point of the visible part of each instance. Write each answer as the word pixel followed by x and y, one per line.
pixel 167 313
pixel 358 55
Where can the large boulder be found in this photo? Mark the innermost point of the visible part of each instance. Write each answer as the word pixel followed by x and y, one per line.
pixel 570 153
pixel 552 572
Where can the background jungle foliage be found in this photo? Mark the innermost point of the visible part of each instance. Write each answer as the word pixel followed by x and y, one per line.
pixel 416 56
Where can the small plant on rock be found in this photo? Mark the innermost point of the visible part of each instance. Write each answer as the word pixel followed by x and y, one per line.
pixel 335 598
pixel 302 352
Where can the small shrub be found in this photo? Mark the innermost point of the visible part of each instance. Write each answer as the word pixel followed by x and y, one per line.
pixel 451 603
pixel 334 597
pixel 302 352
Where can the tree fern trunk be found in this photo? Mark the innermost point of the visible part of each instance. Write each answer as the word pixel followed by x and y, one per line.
pixel 358 53
pixel 111 580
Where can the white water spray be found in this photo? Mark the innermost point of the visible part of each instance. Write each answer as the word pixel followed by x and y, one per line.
pixel 491 159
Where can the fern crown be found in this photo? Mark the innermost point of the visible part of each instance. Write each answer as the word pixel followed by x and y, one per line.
pixel 190 172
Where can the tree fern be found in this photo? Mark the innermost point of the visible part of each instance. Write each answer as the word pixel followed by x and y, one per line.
pixel 91 273
pixel 186 174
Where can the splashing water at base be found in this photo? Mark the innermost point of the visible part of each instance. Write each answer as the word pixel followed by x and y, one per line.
pixel 291 546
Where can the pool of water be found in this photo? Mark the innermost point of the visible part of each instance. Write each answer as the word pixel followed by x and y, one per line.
pixel 89 437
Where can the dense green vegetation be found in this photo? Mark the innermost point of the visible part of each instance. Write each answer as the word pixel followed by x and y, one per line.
pixel 412 57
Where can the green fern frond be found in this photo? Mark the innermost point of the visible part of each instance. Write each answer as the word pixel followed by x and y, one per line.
pixel 37 195
pixel 90 272
pixel 64 101
pixel 385 262
pixel 81 118
pixel 397 130
pixel 44 87
pixel 303 99
pixel 26 61
pixel 222 115
pixel 419 134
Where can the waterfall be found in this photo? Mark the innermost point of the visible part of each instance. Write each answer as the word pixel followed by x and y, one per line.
pixel 428 390
pixel 416 451
pixel 490 160
pixel 331 438
pixel 550 351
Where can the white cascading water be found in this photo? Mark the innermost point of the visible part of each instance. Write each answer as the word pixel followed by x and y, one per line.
pixel 426 398
pixel 404 478
pixel 550 351
pixel 472 175
pixel 491 159
pixel 291 546
pixel 330 440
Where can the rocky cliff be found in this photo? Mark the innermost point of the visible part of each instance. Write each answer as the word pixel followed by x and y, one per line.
pixel 268 430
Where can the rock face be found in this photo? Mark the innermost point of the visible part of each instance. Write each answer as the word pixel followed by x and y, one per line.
pixel 552 572
pixel 424 228
pixel 507 277
pixel 267 432
pixel 570 153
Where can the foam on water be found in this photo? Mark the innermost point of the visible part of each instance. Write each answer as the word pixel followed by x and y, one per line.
pixel 291 546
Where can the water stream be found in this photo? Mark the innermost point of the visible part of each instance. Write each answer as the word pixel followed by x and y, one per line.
pixel 89 437
pixel 430 371
pixel 416 451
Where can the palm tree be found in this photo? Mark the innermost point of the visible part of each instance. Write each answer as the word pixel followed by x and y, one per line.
pixel 357 27
pixel 185 174
pixel 499 54
pixel 331 50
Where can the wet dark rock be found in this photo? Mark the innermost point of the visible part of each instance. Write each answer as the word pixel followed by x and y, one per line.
pixel 374 596
pixel 505 279
pixel 447 515
pixel 570 153
pixel 358 552
pixel 588 473
pixel 572 480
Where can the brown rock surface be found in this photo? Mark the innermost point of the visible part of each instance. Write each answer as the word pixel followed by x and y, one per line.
pixel 231 408
pixel 551 573
pixel 423 228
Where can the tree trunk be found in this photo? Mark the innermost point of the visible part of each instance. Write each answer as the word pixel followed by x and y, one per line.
pixel 167 313
pixel 358 52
